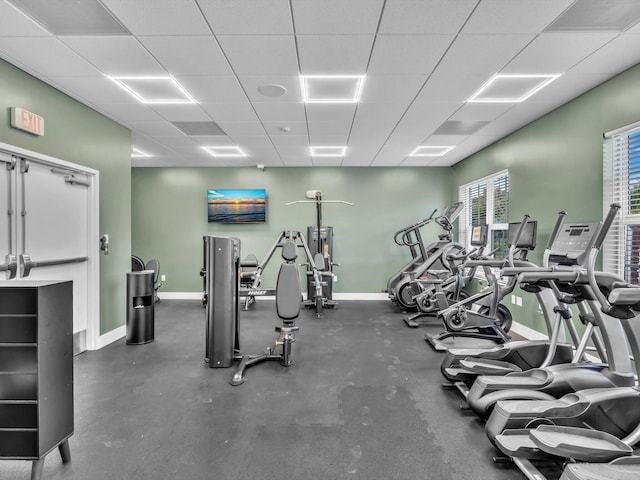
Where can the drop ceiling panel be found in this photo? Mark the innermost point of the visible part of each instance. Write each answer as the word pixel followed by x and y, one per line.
pixel 297 161
pixel 230 112
pixel 336 16
pixel 213 88
pixel 320 130
pixel 568 49
pixel 408 54
pixel 392 88
pixel 334 54
pixel 291 141
pixel 482 54
pixel 248 18
pixel 17 24
pixel 319 138
pixel 567 87
pixel 280 112
pixel 255 143
pixel 370 133
pixel 326 161
pixel 116 56
pixel 127 113
pixel 339 114
pixel 261 54
pixel 619 54
pixel 242 128
pixel 181 113
pixel 481 111
pixel 291 83
pixel 516 118
pixel 449 86
pixel 293 152
pixel 188 55
pixel 422 17
pixel 276 128
pixel 508 16
pixel 423 118
pixel 157 130
pixel 444 140
pixel 387 113
pixel 46 55
pixel 213 140
pixel 97 89
pixel 159 17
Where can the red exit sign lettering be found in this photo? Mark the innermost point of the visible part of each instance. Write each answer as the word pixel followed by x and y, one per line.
pixel 28 121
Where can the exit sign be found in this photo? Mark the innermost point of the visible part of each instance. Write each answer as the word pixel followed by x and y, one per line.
pixel 28 121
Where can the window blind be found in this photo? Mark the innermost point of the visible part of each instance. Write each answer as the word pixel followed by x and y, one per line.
pixel 486 200
pixel 621 177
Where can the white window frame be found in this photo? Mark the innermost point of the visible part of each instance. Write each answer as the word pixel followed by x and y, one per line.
pixel 615 153
pixel 464 221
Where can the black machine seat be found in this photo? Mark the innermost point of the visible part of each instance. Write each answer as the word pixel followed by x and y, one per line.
pixel 288 286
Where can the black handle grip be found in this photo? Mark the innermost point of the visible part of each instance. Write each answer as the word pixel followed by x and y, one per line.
pixel 606 225
pixel 556 228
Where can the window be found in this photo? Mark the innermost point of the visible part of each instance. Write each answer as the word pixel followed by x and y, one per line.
pixel 621 176
pixel 486 201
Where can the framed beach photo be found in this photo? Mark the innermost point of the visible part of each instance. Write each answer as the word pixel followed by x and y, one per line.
pixel 237 205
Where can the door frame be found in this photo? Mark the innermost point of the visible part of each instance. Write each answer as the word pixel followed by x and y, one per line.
pixel 93 235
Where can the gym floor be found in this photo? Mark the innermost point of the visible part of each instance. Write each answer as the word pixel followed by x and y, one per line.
pixel 363 401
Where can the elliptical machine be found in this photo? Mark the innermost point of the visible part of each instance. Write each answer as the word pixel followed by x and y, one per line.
pixel 437 294
pixel 400 287
pixel 482 316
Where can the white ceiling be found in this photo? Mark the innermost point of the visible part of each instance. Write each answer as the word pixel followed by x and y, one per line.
pixel 422 59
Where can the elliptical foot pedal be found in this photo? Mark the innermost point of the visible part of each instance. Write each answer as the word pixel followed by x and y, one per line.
pixel 411 323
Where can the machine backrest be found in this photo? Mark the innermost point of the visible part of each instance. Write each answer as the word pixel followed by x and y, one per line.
pixel 137 265
pixel 288 285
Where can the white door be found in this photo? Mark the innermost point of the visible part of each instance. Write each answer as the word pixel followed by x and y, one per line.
pixel 55 230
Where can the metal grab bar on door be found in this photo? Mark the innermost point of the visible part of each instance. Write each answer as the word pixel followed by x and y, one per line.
pixel 26 264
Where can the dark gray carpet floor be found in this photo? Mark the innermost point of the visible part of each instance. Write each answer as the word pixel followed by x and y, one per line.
pixel 363 401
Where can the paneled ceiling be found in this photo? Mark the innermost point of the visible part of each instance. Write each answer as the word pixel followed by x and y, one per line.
pixel 423 60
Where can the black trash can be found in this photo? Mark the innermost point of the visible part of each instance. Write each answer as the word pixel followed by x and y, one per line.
pixel 140 307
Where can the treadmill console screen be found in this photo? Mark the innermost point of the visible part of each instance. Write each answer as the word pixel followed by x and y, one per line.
pixel 527 237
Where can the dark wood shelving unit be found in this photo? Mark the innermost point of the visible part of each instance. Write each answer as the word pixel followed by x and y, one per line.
pixel 36 370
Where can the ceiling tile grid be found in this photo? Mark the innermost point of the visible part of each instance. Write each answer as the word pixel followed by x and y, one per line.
pixel 241 61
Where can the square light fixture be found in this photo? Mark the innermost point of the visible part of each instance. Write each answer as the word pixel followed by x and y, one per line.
pixel 331 88
pixel 233 151
pixel 154 90
pixel 508 88
pixel 327 151
pixel 430 151
pixel 137 153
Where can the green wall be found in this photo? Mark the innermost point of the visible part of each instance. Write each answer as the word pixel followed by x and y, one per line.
pixel 555 163
pixel 75 133
pixel 169 215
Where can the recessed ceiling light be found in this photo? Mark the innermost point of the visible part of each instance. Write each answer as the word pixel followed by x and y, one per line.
pixel 327 151
pixel 506 88
pixel 430 151
pixel 331 88
pixel 154 90
pixel 225 151
pixel 137 153
pixel 272 90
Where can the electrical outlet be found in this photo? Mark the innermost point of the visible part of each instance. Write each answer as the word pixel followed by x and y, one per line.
pixel 519 301
pixel 513 300
pixel 163 278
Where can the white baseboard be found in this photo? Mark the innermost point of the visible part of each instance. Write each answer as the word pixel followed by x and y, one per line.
pixel 336 296
pixel 110 337
pixel 526 332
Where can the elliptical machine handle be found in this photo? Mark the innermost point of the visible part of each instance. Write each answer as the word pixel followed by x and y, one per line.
pixel 606 225
pixel 516 238
pixel 556 229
